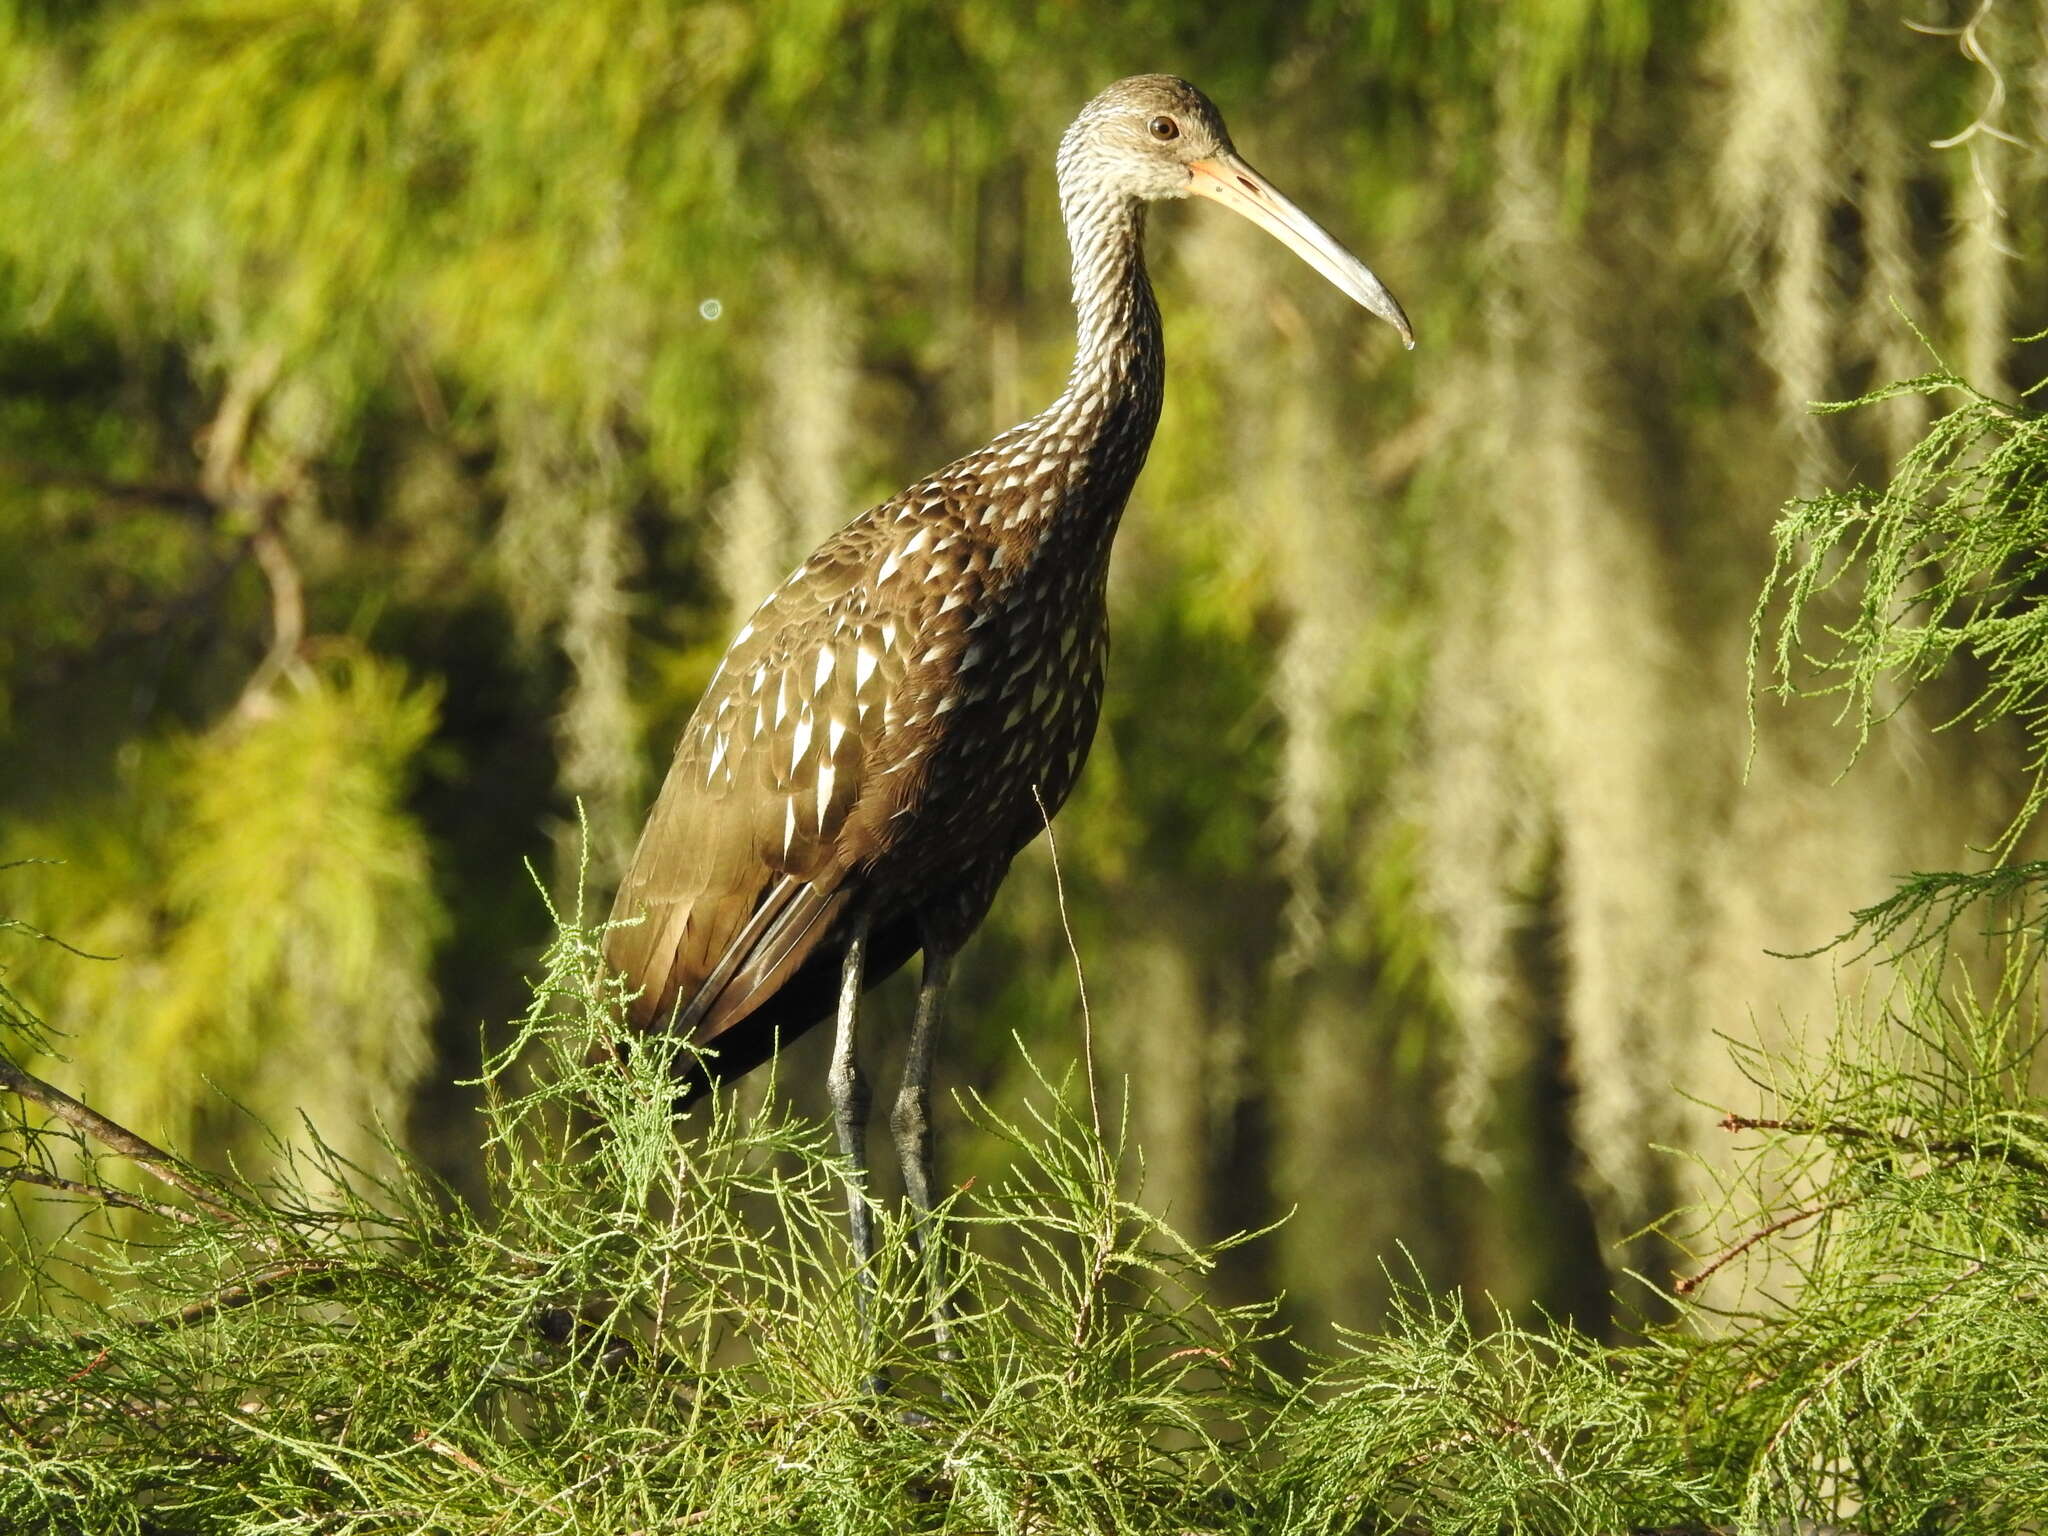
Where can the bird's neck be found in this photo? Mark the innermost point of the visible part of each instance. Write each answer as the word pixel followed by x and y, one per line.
pixel 1105 418
pixel 1119 350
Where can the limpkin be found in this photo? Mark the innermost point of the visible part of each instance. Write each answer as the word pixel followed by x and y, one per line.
pixel 899 718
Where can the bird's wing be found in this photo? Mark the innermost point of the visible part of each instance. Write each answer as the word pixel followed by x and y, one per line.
pixel 741 872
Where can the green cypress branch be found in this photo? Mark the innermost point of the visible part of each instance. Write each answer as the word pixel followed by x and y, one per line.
pixel 650 1325
pixel 1878 592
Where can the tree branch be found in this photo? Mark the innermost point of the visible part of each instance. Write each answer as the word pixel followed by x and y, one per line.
pixel 287 607
pixel 243 1293
pixel 21 1173
pixel 139 1150
pixel 1844 1131
pixel 265 1282
pixel 1687 1284
pixel 1951 1148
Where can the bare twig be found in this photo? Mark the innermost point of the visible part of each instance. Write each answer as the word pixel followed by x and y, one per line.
pixel 1106 1238
pixel 246 1292
pixel 1844 1131
pixel 1470 1437
pixel 1970 43
pixel 287 606
pixel 225 479
pixel 16 925
pixel 1949 1148
pixel 1059 886
pixel 20 1173
pixel 1687 1284
pixel 145 1154
pixel 1516 1427
pixel 224 437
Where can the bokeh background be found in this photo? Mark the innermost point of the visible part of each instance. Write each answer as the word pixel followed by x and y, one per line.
pixel 400 400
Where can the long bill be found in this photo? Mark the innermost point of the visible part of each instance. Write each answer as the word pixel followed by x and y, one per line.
pixel 1228 180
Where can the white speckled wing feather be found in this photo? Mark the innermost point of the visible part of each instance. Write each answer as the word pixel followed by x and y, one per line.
pixel 739 871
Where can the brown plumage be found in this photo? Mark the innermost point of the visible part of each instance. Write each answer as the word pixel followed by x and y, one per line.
pixel 897 719
pixel 876 732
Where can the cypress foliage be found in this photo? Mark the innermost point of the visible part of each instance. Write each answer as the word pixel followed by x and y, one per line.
pixel 506 347
pixel 651 1326
pixel 1880 592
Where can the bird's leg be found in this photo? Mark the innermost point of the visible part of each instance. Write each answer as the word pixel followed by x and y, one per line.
pixel 849 1093
pixel 911 1123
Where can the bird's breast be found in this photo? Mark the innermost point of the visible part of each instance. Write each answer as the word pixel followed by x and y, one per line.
pixel 1002 706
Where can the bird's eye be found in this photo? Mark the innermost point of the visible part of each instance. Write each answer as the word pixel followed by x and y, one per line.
pixel 1165 129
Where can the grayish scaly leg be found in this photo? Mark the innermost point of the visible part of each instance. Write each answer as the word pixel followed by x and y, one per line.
pixel 911 1123
pixel 849 1092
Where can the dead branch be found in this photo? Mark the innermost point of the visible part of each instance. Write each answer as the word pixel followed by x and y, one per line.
pixel 287 605
pixel 1844 1131
pixel 265 1282
pixel 222 440
pixel 1687 1284
pixel 139 1150
pixel 20 1173
pixel 292 1275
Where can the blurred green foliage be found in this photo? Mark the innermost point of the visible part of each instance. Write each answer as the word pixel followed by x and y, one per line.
pixel 398 398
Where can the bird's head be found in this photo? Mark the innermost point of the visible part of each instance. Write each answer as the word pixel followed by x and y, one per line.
pixel 1152 137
